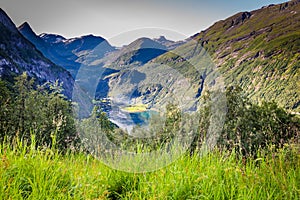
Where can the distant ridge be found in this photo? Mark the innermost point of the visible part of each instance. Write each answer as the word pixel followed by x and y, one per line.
pixel 69 53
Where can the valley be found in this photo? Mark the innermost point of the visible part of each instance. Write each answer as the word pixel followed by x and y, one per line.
pixel 259 57
pixel 214 115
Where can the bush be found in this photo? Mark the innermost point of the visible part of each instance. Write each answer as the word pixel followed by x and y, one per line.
pixel 249 127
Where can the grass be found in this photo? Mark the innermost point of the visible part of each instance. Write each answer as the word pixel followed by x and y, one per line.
pixel 26 173
pixel 135 108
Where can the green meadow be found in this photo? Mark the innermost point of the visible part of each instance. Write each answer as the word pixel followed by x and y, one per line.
pixel 27 173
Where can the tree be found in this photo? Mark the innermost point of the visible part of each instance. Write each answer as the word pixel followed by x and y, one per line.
pixel 23 87
pixel 39 110
pixel 250 127
pixel 5 109
pixel 204 114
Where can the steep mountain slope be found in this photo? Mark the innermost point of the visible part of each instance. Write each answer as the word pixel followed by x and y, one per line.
pixel 45 46
pixel 258 50
pixel 69 53
pixel 18 55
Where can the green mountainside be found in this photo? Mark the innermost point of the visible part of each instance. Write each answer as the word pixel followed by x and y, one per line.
pixel 258 50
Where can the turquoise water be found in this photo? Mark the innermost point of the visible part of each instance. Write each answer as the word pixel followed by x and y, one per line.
pixel 142 118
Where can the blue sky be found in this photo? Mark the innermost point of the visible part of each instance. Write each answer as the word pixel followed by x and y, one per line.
pixel 122 21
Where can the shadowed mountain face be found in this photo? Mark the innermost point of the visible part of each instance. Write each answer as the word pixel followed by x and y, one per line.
pixel 69 53
pixel 18 55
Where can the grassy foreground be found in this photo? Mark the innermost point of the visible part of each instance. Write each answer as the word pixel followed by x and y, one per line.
pixel 45 174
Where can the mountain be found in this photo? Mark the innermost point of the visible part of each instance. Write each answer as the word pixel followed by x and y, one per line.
pixel 97 58
pixel 69 53
pixel 257 50
pixel 49 50
pixel 138 52
pixel 134 78
pixel 28 33
pixel 18 55
pixel 169 44
pixel 48 38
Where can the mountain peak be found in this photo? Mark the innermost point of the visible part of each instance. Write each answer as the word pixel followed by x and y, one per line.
pixel 169 44
pixel 92 38
pixel 162 39
pixel 144 43
pixel 6 21
pixel 25 27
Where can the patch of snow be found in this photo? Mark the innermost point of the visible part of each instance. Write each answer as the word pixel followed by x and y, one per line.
pixel 4 62
pixel 58 40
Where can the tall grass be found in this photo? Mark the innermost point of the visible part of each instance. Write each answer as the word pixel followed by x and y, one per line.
pixel 27 173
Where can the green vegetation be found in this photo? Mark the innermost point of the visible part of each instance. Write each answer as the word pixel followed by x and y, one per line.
pixel 45 114
pixel 45 174
pixel 41 156
pixel 45 153
pixel 44 111
pixel 249 127
pixel 257 50
pixel 135 108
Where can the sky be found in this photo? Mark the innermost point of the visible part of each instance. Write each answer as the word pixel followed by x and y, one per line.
pixel 122 21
